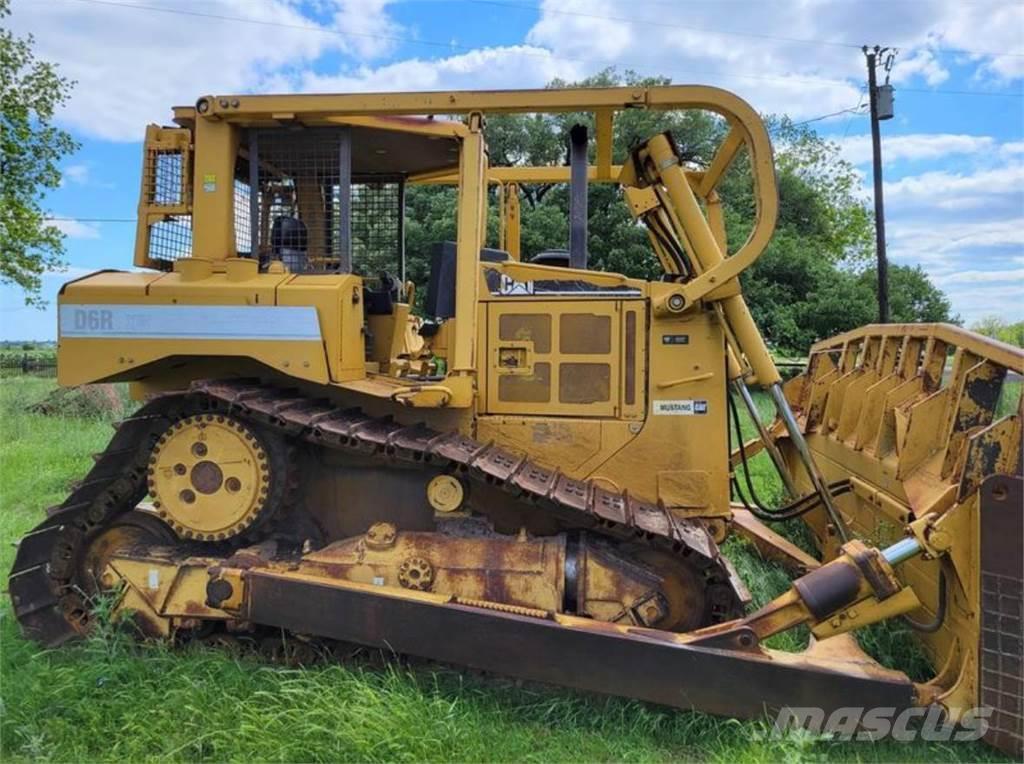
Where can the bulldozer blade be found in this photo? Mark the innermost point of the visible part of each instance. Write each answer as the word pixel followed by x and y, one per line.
pixel 634 662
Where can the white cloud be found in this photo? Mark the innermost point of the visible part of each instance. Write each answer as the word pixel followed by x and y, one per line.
pixel 857 148
pixel 371 32
pixel 939 184
pixel 970 244
pixel 571 27
pixel 946 244
pixel 981 277
pixel 993 27
pixel 482 69
pixel 773 54
pixel 921 63
pixel 975 301
pixel 132 65
pixel 76 173
pixel 74 229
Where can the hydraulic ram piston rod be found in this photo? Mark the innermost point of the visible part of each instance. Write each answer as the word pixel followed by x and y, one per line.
pixel 707 253
pixel 766 438
pixel 793 428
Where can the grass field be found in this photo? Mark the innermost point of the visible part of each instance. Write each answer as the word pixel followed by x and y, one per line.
pixel 109 699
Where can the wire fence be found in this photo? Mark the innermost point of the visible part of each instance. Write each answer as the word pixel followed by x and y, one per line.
pixel 13 363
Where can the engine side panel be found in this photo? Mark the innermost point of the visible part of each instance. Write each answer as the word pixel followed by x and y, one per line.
pixel 122 326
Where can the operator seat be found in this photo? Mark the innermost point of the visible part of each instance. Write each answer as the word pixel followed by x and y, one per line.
pixel 558 258
pixel 381 301
pixel 289 242
pixel 440 300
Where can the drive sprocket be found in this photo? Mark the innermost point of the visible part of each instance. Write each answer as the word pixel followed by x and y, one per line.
pixel 212 477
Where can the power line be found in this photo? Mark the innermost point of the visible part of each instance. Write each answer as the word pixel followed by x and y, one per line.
pixel 465 48
pixel 705 30
pixel 661 24
pixel 849 120
pixel 929 91
pixel 261 22
pixel 547 54
pixel 854 111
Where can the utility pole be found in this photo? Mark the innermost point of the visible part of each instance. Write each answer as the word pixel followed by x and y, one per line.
pixel 881 108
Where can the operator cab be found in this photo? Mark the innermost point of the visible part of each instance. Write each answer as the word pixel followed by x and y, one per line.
pixel 330 199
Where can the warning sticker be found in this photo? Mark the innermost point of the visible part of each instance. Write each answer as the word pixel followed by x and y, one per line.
pixel 680 408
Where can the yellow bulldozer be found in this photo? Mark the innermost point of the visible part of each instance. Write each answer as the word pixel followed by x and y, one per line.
pixel 527 469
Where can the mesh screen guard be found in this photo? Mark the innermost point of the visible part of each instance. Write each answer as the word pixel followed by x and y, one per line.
pixel 310 211
pixel 166 201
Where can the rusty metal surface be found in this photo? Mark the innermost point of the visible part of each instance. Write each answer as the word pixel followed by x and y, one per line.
pixel 1002 620
pixel 596 658
pixel 917 416
pixel 1000 352
pixel 493 473
pixel 44 581
pixel 771 545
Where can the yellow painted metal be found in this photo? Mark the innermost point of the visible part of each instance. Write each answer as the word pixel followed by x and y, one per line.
pixel 878 409
pixel 511 223
pixel 525 272
pixel 82 360
pixel 507 570
pixel 209 477
pixel 999 352
pixel 396 344
pixel 471 221
pixel 213 204
pixel 216 123
pixel 436 127
pixel 644 408
pixel 720 162
pixel 243 108
pixel 717 269
pixel 603 119
pixel 556 358
pixel 522 174
pixel 866 612
pixel 162 144
pixel 577 447
pixel 338 302
pixel 108 287
pixel 162 593
pixel 445 493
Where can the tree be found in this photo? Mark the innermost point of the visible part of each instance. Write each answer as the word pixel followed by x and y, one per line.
pixel 999 329
pixel 809 284
pixel 30 149
pixel 912 296
pixel 798 298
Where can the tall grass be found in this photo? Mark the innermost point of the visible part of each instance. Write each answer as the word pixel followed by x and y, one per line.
pixel 110 699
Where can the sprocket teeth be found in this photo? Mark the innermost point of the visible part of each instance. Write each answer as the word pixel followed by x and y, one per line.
pixel 175 458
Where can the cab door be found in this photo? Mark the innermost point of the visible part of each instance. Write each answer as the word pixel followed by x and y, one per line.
pixel 560 357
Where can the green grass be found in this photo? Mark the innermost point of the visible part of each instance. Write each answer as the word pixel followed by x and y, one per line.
pixel 110 699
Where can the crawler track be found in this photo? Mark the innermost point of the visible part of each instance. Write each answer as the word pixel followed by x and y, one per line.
pixel 52 607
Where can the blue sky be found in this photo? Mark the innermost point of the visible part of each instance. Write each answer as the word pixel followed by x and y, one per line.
pixel 954 154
